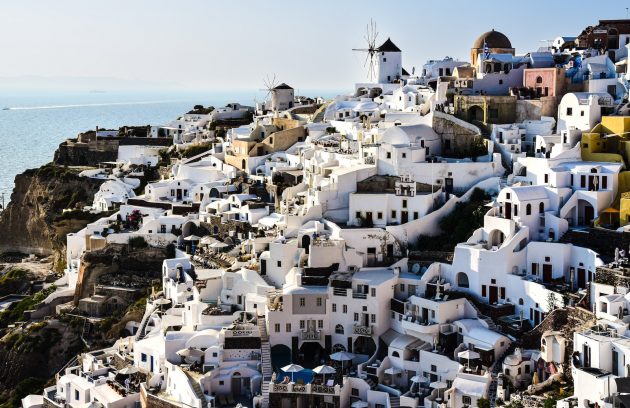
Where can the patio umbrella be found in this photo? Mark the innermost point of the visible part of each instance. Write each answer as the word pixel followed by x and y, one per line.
pixel 417 379
pixel 162 301
pixel 292 368
pixel 438 385
pixel 190 352
pixel 393 371
pixel 468 355
pixel 207 240
pixel 360 404
pixel 129 370
pixel 323 370
pixel 218 245
pixel 342 356
pixel 192 237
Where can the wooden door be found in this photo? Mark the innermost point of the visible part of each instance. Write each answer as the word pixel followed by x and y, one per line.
pixel 547 273
pixel 494 295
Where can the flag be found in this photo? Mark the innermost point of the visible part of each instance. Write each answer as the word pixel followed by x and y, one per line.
pixel 486 50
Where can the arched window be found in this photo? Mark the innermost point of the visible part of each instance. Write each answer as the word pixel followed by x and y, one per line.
pixel 521 302
pixel 339 329
pixel 462 280
pixel 539 80
pixel 395 354
pixel 528 209
pixel 338 347
pixel 541 207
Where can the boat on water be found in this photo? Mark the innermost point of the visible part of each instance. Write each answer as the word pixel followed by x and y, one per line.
pixel 6 108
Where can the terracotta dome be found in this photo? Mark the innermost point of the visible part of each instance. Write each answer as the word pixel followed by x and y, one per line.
pixel 494 39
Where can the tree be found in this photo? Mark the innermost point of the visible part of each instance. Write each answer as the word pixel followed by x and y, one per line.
pixel 551 302
pixel 483 403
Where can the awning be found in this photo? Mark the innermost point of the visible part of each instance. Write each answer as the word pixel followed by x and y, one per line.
pixel 468 387
pixel 610 210
pixel 389 336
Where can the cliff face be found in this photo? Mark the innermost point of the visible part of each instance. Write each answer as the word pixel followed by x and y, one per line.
pixel 33 221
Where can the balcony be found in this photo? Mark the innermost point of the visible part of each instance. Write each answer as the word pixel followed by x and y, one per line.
pixel 362 330
pixel 311 335
pixel 359 295
pixel 305 388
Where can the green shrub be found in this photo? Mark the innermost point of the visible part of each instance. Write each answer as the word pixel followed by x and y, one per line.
pixel 138 242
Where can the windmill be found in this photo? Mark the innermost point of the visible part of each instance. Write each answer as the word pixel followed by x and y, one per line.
pixel 370 38
pixel 270 83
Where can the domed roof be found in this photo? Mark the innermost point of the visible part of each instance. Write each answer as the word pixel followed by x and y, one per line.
pixel 494 39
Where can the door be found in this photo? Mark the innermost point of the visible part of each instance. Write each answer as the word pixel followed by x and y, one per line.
pixel 151 364
pixel 390 250
pixel 236 385
pixel 536 318
pixel 581 278
pixel 547 269
pixel 589 214
pixel 404 217
pixel 508 211
pixel 179 193
pixel 494 295
pixel 263 266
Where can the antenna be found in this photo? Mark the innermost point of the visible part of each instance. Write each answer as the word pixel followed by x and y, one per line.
pixel 370 38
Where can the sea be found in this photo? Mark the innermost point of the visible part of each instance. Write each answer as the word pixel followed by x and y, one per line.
pixel 34 123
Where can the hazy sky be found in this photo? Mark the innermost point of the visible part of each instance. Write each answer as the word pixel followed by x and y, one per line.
pixel 234 44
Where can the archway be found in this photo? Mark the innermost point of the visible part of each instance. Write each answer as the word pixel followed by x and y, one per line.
pixel 495 238
pixel 243 164
pixel 306 242
pixel 586 213
pixel 280 356
pixel 462 280
pixel 312 354
pixel 338 347
pixel 364 345
pixel 475 113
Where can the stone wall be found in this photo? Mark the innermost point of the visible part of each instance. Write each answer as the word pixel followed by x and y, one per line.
pixel 533 109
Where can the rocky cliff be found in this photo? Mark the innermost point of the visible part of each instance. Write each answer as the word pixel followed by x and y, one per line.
pixel 34 221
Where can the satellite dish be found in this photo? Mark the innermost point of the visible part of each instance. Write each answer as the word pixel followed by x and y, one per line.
pixel 415 268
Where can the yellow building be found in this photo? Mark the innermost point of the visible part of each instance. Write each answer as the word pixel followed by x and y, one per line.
pixel 609 141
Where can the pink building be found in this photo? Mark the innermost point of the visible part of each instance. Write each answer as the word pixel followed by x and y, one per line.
pixel 544 81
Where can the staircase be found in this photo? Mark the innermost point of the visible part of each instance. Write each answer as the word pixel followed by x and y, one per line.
pixel 195 387
pixel 265 360
pixel 140 334
pixel 483 317
pixel 394 402
pixel 371 383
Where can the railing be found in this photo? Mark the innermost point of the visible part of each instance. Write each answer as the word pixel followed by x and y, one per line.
pixel 362 330
pixel 359 295
pixel 340 292
pixel 305 388
pixel 310 335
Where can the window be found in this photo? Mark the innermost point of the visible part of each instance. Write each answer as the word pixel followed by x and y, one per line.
pixel 302 324
pixel 379 215
pixel 528 209
pixel 355 392
pixel 582 112
pixel 569 111
pixel 546 178
pixel 345 308
pixel 373 292
pixel 402 287
pixel 288 327
pixel 534 269
pixel 415 215
pixel 384 59
pixel 393 213
pixel 358 214
pixel 277 327
pixel 502 293
pixel 527 369
pixel 302 302
pixel 320 324
pixel 334 308
pixel 389 155
pixel 466 400
pixel 404 203
pixel 143 358
pixel 541 207
pixel 373 318
pixel 339 329
pixel 279 264
pixel 356 317
pixel 582 181
pixel 319 301
pixel 515 210
pixel 539 80
pixel 483 290
pixel 76 395
pixel 433 368
pixel 604 182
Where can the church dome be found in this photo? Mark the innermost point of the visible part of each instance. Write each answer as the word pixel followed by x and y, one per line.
pixel 493 39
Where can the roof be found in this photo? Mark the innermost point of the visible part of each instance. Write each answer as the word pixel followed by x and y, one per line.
pixel 283 86
pixel 493 39
pixel 388 46
pixel 469 387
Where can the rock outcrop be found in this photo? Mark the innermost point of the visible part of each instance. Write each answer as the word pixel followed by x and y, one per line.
pixel 34 222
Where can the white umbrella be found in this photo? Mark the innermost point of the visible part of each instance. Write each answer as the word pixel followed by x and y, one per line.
pixel 292 368
pixel 418 379
pixel 218 245
pixel 162 301
pixel 342 356
pixel 468 355
pixel 190 352
pixel 393 371
pixel 128 370
pixel 192 237
pixel 207 240
pixel 360 404
pixel 323 370
pixel 439 385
